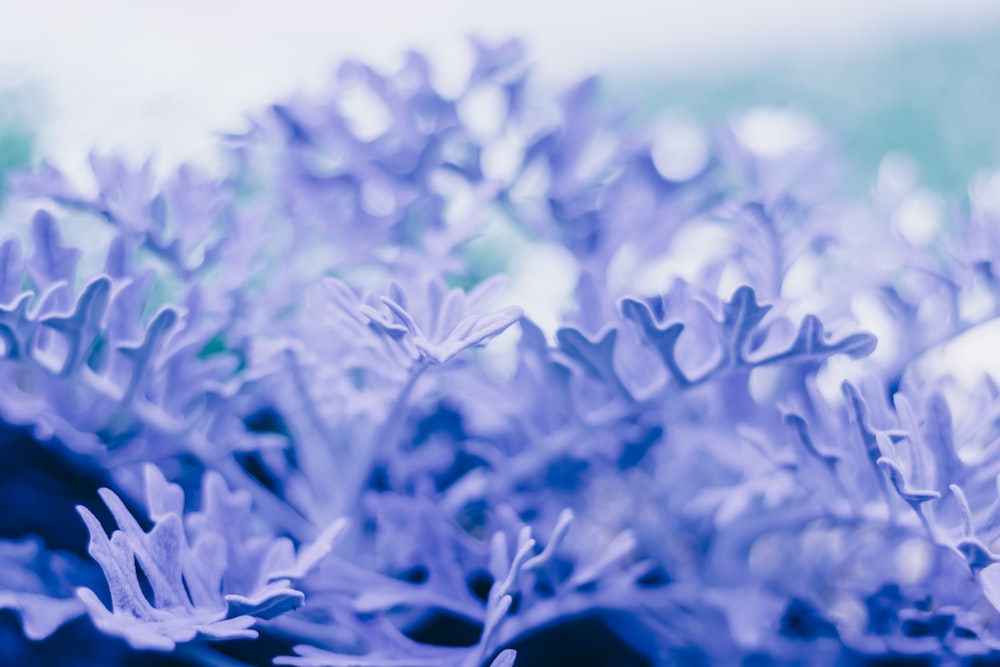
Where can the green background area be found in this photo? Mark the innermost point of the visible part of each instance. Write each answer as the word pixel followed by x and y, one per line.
pixel 17 133
pixel 935 99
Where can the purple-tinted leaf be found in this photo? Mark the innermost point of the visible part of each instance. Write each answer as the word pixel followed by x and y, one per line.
pixel 740 317
pixel 859 416
pixel 903 488
pixel 143 354
pixel 83 325
pixel 16 326
pixel 505 659
pixel 662 338
pixel 937 433
pixel 811 345
pixel 51 261
pixel 11 266
pixel 595 356
pixel 35 584
pixel 209 580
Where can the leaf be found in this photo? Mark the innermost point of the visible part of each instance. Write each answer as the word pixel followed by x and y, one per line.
pixel 811 345
pixel 801 428
pixel 859 415
pixel 905 491
pixel 505 659
pixel 611 555
pixel 487 326
pixel 83 325
pixel 16 326
pixel 989 579
pixel 740 316
pixel 144 353
pixel 558 533
pixel 162 497
pixel 938 433
pixel 403 316
pixel 596 357
pixel 34 583
pixel 51 261
pixel 266 603
pixel 11 266
pixel 663 339
pixel 214 586
pixel 310 556
pixel 976 554
pixel 161 553
pixel 453 329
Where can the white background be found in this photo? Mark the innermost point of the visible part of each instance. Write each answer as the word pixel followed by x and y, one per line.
pixel 159 77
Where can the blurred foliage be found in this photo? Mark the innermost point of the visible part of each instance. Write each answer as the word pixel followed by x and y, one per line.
pixel 17 136
pixel 933 99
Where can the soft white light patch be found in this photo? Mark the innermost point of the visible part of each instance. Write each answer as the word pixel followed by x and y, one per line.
pixel 802 280
pixel 543 277
pixel 732 277
pixel 499 356
pixel 501 159
pixel 918 217
pixel 976 302
pixel 622 269
pixel 377 197
pixel 533 182
pixel 365 113
pixel 770 132
pixel 913 560
pixel 986 192
pixel 596 156
pixel 694 247
pixel 680 149
pixel 968 356
pixel 874 318
pixel 837 370
pixel 483 111
pixel 458 194
pixel 897 175
pixel 453 61
pixel 850 615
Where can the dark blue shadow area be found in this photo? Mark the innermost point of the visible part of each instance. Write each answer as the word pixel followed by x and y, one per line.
pixel 583 641
pixel 40 487
pixel 76 644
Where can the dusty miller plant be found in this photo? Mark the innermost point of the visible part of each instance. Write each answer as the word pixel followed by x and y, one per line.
pixel 259 416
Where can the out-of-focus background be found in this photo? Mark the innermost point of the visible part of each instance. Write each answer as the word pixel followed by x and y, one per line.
pixel 909 88
pixel 915 77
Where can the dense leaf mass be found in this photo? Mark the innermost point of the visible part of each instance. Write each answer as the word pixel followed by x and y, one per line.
pixel 303 418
